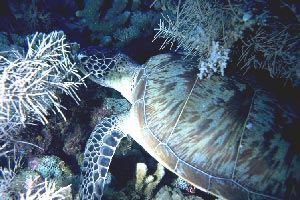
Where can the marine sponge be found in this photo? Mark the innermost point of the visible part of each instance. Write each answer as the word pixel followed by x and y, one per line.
pixel 146 184
pixel 158 175
pixel 141 171
pixel 50 167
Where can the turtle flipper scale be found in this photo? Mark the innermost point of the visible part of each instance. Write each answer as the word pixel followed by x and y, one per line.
pixel 98 153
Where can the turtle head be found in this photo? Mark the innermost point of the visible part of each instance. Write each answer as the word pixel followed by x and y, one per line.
pixel 109 69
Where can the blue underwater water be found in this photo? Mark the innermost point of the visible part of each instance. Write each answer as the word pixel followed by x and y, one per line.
pixel 127 26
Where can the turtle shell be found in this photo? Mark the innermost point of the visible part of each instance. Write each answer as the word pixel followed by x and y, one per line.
pixel 219 134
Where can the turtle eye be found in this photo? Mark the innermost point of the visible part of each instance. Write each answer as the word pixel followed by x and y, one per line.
pixel 83 58
pixel 88 67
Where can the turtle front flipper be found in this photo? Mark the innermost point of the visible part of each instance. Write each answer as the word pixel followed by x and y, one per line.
pixel 98 153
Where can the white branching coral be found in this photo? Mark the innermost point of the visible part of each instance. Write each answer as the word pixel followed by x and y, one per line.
pixel 29 84
pixel 13 186
pixel 215 63
pixel 44 190
pixel 198 31
pixel 276 51
pixel 7 175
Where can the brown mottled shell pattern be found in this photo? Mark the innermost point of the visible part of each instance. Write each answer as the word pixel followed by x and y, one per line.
pixel 218 133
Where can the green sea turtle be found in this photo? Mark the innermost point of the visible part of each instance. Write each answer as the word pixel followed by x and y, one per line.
pixel 219 134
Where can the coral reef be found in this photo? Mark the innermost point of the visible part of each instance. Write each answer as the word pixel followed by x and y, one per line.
pixel 258 35
pixel 32 17
pixel 199 29
pixel 180 183
pixel 17 183
pixel 267 39
pixel 271 43
pixel 49 167
pixel 34 189
pixel 141 186
pixel 117 22
pixel 5 41
pixel 168 193
pixel 72 140
pixel 31 84
pixel 165 5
